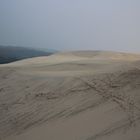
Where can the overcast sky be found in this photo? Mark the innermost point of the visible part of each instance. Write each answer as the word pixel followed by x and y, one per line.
pixel 71 24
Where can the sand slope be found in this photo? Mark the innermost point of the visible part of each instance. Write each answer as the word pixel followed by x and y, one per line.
pixel 84 95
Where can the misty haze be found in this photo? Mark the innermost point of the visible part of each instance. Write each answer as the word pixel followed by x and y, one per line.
pixel 69 70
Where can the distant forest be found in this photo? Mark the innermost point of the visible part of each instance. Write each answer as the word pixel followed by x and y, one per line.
pixel 10 53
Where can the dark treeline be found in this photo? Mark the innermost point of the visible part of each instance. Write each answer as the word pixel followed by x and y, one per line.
pixel 10 53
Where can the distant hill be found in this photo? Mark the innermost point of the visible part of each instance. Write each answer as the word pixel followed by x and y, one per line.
pixel 11 53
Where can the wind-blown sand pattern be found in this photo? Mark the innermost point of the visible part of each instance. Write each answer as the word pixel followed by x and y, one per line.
pixel 85 95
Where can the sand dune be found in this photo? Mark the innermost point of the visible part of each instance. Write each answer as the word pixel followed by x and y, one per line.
pixel 83 95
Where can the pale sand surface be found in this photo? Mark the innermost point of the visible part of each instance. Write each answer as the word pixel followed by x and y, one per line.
pixel 84 95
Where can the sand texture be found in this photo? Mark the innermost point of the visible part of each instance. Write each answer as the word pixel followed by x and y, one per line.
pixel 83 95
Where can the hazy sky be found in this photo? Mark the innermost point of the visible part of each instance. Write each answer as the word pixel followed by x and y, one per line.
pixel 71 24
